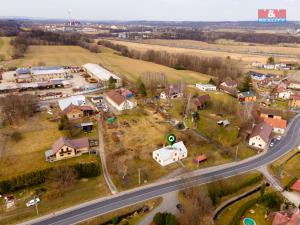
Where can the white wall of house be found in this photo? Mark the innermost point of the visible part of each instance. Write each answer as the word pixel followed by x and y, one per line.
pixel 285 95
pixel 174 157
pixel 205 87
pixel 278 130
pixel 257 142
pixel 123 106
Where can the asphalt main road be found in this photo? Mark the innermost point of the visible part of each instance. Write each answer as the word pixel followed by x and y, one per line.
pixel 202 176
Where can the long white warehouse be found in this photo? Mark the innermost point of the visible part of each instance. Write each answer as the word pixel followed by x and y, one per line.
pixel 101 74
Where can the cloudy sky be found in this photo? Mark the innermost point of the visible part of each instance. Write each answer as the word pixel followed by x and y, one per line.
pixel 178 10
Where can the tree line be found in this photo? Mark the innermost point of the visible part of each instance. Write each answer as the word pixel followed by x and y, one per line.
pixel 260 38
pixel 215 66
pixel 39 37
pixel 64 175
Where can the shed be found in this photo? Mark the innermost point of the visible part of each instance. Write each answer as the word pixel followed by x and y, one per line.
pixel 87 127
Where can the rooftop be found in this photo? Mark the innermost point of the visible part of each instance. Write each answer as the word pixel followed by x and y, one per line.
pixel 75 100
pixel 263 130
pixel 166 153
pixel 99 72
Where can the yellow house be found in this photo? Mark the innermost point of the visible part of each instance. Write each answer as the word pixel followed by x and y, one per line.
pixel 65 148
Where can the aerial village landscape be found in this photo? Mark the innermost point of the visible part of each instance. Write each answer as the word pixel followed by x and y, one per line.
pixel 137 124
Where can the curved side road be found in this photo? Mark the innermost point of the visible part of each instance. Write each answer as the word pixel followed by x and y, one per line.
pixel 202 176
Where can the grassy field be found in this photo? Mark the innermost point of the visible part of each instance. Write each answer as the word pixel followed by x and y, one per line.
pixel 5 47
pixel 74 55
pixel 286 169
pixel 27 154
pixel 207 124
pixel 83 190
pixel 247 53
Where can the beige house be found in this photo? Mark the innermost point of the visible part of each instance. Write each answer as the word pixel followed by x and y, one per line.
pixel 75 112
pixel 119 101
pixel 65 148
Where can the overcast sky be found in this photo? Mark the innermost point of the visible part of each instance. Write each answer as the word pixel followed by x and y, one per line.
pixel 178 10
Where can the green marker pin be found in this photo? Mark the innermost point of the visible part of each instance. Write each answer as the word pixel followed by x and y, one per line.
pixel 171 139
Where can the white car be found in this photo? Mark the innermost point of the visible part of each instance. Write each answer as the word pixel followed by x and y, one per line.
pixel 33 202
pixel 278 138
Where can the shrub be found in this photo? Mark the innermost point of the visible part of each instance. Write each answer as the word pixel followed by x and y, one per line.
pixel 115 220
pixel 272 200
pixel 16 136
pixel 87 170
pixel 165 219
pixel 219 189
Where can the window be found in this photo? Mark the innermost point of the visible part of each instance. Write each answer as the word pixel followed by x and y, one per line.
pixel 69 153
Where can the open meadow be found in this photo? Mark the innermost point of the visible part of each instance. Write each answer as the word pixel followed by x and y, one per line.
pixel 123 66
pixel 5 47
pixel 239 51
pixel 26 154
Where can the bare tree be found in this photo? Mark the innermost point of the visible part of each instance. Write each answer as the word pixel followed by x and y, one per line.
pixel 16 107
pixel 63 176
pixel 199 209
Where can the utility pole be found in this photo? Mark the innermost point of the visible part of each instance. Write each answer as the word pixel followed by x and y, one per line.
pixel 36 208
pixel 236 152
pixel 139 170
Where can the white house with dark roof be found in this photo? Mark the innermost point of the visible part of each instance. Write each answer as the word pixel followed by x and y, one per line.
pixel 260 135
pixel 170 154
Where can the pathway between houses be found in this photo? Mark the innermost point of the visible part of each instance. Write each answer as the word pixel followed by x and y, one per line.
pixel 106 174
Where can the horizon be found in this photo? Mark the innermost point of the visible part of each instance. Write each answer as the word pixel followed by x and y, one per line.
pixel 156 10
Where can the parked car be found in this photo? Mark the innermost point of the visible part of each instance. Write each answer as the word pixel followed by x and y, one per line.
pixel 33 202
pixel 278 138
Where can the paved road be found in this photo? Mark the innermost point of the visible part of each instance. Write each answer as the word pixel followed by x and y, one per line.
pixel 202 176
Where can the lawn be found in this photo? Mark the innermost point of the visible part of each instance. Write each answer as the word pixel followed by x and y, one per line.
pixel 27 154
pixel 231 210
pixel 82 191
pixel 207 124
pixel 123 66
pixel 287 170
pixel 5 47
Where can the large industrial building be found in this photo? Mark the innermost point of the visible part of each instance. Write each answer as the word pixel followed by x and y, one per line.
pixel 101 74
pixel 39 74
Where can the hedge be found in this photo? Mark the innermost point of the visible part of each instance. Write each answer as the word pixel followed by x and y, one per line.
pixel 85 170
pixel 290 183
pixel 216 192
